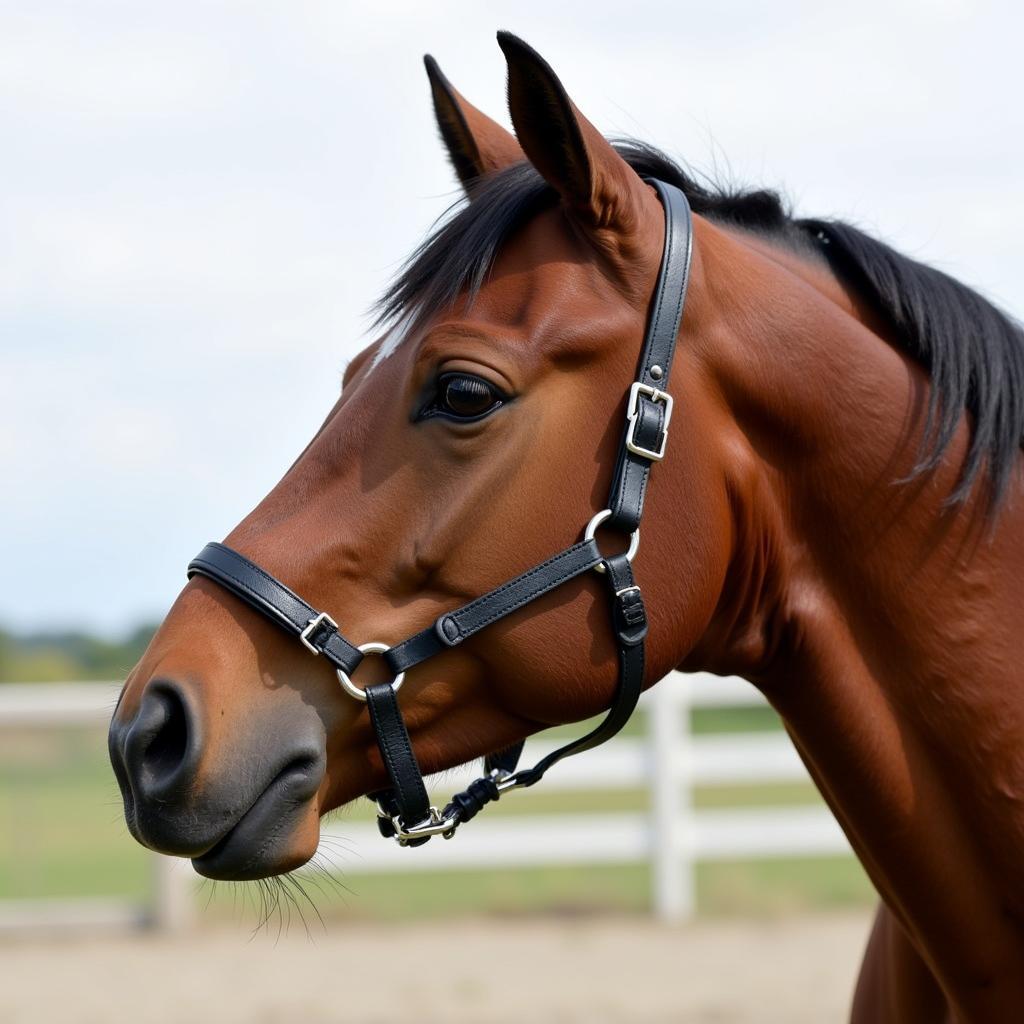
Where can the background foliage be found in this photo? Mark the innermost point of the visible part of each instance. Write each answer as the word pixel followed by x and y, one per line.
pixel 60 656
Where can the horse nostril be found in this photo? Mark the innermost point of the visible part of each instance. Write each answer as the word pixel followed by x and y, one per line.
pixel 161 743
pixel 166 750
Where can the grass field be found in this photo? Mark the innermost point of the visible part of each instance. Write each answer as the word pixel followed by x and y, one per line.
pixel 62 834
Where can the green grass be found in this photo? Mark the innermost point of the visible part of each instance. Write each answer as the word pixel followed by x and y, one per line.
pixel 782 886
pixel 62 834
pixel 743 719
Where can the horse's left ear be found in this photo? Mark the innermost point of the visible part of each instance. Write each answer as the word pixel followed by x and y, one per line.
pixel 596 185
pixel 476 145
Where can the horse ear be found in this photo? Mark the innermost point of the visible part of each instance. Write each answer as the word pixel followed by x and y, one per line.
pixel 476 145
pixel 595 183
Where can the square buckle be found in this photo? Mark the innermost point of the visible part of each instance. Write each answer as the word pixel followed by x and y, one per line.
pixel 633 416
pixel 312 626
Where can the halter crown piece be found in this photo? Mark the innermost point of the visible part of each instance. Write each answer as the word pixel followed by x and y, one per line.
pixel 404 810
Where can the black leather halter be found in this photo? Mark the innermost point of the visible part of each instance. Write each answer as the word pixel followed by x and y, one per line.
pixel 404 810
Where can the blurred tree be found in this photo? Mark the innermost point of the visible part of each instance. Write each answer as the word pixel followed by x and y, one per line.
pixel 56 657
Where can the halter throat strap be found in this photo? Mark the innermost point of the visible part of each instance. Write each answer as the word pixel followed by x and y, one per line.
pixel 404 810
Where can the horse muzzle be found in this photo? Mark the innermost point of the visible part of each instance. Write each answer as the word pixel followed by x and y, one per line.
pixel 245 810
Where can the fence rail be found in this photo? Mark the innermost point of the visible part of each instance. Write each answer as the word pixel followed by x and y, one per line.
pixel 170 903
pixel 673 836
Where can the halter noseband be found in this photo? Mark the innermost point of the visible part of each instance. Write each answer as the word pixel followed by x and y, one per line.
pixel 404 810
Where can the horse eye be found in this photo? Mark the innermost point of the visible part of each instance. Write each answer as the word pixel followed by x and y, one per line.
pixel 466 397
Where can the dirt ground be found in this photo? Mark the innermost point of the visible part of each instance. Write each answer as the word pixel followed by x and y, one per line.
pixel 796 971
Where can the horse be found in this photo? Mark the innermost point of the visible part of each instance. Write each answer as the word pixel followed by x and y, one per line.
pixel 836 518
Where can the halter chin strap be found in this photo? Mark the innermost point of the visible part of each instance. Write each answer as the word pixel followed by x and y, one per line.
pixel 404 810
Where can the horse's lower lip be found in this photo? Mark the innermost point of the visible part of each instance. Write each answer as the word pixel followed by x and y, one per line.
pixel 258 844
pixel 220 855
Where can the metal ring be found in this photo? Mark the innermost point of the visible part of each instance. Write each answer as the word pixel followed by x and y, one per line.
pixel 588 534
pixel 358 692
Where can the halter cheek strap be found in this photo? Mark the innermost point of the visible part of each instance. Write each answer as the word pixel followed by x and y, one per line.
pixel 404 810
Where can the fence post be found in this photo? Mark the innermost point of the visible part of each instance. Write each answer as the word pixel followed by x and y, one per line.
pixel 672 853
pixel 173 909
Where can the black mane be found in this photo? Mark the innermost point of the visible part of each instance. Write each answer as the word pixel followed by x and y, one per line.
pixel 973 351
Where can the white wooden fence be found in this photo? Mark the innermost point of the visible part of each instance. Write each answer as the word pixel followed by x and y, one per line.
pixel 673 836
pixel 170 904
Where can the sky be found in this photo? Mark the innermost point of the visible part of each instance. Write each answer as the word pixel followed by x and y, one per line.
pixel 199 202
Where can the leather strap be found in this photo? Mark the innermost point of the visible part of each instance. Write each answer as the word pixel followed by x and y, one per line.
pixel 629 481
pixel 403 769
pixel 629 622
pixel 454 627
pixel 269 596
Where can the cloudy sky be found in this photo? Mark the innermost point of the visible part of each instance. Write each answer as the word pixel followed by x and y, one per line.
pixel 199 201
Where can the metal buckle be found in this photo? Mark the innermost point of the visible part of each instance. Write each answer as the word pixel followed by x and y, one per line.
pixel 312 626
pixel 632 415
pixel 434 825
pixel 355 691
pixel 626 590
pixel 505 781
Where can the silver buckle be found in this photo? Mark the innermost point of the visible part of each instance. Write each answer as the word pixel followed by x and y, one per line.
pixel 632 415
pixel 312 626
pixel 434 825
pixel 505 781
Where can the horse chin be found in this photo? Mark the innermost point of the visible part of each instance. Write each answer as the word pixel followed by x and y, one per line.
pixel 265 841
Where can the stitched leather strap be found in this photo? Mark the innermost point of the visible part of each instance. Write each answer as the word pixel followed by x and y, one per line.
pixel 258 589
pixel 454 627
pixel 629 622
pixel 403 769
pixel 629 482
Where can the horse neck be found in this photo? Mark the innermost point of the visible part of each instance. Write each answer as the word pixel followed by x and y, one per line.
pixel 883 628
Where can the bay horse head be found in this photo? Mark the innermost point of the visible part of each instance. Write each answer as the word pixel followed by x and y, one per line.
pixel 473 439
pixel 828 522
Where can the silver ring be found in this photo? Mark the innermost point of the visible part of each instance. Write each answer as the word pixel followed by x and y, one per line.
pixel 588 534
pixel 355 691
